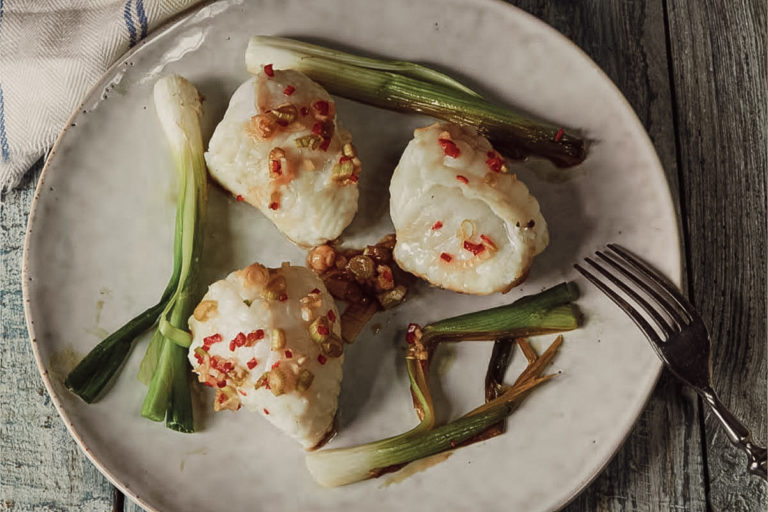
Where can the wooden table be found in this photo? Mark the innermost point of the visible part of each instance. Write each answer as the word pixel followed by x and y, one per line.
pixel 695 73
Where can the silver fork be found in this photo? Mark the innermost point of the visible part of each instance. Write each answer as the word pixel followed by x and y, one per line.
pixel 680 338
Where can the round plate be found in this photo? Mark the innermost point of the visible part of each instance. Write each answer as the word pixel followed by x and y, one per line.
pixel 99 250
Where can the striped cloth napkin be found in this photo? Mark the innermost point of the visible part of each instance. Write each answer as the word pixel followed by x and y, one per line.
pixel 51 53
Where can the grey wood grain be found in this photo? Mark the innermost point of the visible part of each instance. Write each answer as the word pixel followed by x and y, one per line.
pixel 719 69
pixel 660 466
pixel 41 467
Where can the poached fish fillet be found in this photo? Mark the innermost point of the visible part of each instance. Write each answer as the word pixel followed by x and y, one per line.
pixel 279 148
pixel 270 340
pixel 463 221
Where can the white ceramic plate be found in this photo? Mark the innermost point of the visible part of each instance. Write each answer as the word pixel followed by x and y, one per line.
pixel 99 250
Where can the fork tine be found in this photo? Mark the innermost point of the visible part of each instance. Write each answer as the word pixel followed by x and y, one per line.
pixel 644 304
pixel 669 306
pixel 636 317
pixel 684 306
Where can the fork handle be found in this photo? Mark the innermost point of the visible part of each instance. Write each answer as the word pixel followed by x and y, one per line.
pixel 738 434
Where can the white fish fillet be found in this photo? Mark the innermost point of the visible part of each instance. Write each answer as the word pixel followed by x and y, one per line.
pixel 306 201
pixel 461 222
pixel 234 323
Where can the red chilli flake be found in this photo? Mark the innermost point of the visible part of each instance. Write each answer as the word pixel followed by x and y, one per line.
pixel 487 240
pixel 199 358
pixel 449 148
pixel 289 89
pixel 210 340
pixel 317 128
pixel 473 248
pixel 494 162
pixel 304 111
pixel 252 363
pixel 221 384
pixel 321 359
pixel 462 179
pixel 239 197
pixel 410 337
pixel 437 225
pixel 266 411
pixel 559 135
pixel 315 290
pixel 353 178
pixel 239 340
pixel 446 257
pixel 254 336
pixel 269 71
pixel 274 205
pixel 288 354
pixel 276 364
pixel 283 297
pixel 322 107
pixel 322 330
pixel 331 315
pixel 276 167
pixel 242 392
pixel 232 346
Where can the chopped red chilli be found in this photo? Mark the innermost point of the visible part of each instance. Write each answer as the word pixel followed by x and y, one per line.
pixel 462 179
pixel 289 89
pixel 210 340
pixel 446 257
pixel 288 354
pixel 315 290
pixel 437 225
pixel 322 107
pixel 269 71
pixel 559 135
pixel 274 205
pixel 410 336
pixel 304 111
pixel 321 358
pixel 276 167
pixel 494 161
pixel 473 248
pixel 254 336
pixel 317 128
pixel 331 315
pixel 252 363
pixel 282 297
pixel 449 148
pixel 239 197
pixel 488 241
pixel 275 364
pixel 324 145
pixel 266 411
pixel 323 330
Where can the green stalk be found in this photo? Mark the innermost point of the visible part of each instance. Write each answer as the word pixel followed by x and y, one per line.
pixel 388 86
pixel 546 312
pixel 535 313
pixel 178 107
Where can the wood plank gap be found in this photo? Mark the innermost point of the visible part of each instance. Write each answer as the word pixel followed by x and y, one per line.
pixel 683 206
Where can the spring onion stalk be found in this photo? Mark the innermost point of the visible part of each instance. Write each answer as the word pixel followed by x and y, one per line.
pixel 343 466
pixel 396 86
pixel 178 108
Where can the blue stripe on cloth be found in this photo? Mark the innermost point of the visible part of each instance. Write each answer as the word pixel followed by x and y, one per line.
pixel 129 22
pixel 4 151
pixel 142 17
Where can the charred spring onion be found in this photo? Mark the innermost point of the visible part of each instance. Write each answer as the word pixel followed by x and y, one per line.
pixel 408 87
pixel 546 312
pixel 164 366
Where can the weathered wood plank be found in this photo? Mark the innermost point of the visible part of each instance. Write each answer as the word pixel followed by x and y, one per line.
pixel 660 465
pixel 720 64
pixel 41 467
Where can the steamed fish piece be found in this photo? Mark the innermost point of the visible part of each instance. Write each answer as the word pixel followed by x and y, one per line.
pixel 462 220
pixel 270 340
pixel 280 148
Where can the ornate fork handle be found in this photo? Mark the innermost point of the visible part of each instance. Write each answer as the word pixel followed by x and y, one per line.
pixel 737 433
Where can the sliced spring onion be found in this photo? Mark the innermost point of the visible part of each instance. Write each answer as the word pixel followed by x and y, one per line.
pixel 178 108
pixel 388 85
pixel 531 314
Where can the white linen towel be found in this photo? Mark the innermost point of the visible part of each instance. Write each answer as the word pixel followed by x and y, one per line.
pixel 51 53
